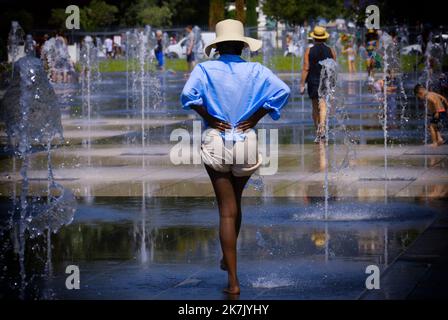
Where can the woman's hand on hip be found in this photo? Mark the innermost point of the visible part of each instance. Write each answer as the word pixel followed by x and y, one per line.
pixel 252 121
pixel 218 124
pixel 247 124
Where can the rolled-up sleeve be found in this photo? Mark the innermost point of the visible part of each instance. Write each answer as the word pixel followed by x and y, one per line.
pixel 276 94
pixel 192 94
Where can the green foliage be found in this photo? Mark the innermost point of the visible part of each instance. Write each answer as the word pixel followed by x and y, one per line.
pixel 57 18
pixel 98 14
pixel 25 19
pixel 155 16
pixel 296 12
pixel 251 13
pixel 143 12
pixel 251 17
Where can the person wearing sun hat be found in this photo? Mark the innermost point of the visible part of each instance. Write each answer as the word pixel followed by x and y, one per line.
pixel 311 76
pixel 232 95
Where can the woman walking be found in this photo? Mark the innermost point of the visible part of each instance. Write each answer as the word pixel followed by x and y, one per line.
pixel 311 75
pixel 232 95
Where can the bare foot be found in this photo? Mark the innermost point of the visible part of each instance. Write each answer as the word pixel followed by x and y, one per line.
pixel 434 145
pixel 232 289
pixel 440 142
pixel 223 265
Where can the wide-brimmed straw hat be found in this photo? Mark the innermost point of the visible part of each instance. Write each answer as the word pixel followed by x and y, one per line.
pixel 319 33
pixel 232 30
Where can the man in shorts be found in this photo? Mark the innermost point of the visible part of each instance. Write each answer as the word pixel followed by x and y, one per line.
pixel 190 45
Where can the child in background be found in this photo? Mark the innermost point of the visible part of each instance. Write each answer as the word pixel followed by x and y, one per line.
pixel 351 55
pixel 372 46
pixel 158 51
pixel 437 105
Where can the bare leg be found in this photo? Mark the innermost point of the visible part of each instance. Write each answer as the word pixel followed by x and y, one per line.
pixel 228 211
pixel 316 121
pixel 436 137
pixel 238 187
pixel 440 140
pixel 370 68
pixel 322 116
pixel 433 131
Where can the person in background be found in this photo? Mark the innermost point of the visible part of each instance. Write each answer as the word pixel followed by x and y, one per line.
pixel 109 47
pixel 372 46
pixel 39 46
pixel 311 76
pixel 117 47
pixel 351 56
pixel 158 51
pixel 190 45
pixel 62 64
pixel 437 105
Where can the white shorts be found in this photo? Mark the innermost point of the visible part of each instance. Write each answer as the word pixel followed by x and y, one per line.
pixel 241 158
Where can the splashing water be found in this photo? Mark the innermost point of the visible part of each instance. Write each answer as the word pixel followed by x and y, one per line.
pixel 272 281
pixel 33 118
pixel 268 49
pixel 433 59
pixel 197 48
pixel 89 75
pixel 388 44
pixel 57 60
pixel 327 88
pixel 143 87
pixel 15 37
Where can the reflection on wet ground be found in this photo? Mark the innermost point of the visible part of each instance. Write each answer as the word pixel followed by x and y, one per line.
pixel 167 248
pixel 146 229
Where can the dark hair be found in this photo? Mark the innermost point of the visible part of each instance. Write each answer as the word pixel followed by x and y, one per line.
pixel 320 40
pixel 189 27
pixel 230 47
pixel 418 87
pixel 370 36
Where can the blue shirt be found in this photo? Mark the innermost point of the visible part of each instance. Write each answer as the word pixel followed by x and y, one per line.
pixel 232 89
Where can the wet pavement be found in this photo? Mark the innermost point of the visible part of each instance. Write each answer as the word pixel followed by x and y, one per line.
pixel 147 229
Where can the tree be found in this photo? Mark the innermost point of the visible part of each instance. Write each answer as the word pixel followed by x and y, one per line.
pixel 155 16
pixel 58 17
pixel 251 17
pixel 24 17
pixel 216 13
pixel 194 12
pixel 240 11
pixel 148 12
pixel 296 12
pixel 98 14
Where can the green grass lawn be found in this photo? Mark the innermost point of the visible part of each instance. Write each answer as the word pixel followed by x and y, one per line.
pixel 119 65
pixel 279 63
